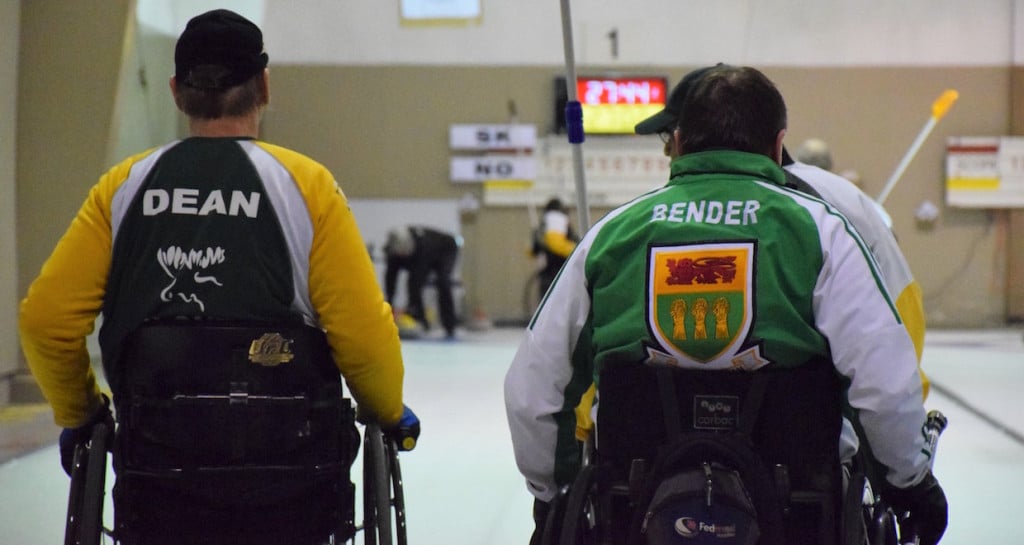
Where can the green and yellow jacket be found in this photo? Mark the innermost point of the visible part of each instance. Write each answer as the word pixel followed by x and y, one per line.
pixel 219 228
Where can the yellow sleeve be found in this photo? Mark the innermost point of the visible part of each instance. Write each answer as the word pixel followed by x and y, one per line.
pixel 558 243
pixel 62 303
pixel 584 424
pixel 346 295
pixel 911 309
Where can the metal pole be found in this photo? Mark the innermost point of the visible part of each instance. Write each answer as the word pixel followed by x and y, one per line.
pixel 574 120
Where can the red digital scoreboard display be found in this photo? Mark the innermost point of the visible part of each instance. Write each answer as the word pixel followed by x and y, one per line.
pixel 614 105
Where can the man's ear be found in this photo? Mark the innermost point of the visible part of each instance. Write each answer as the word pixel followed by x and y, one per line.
pixel 676 143
pixel 265 86
pixel 173 84
pixel 777 150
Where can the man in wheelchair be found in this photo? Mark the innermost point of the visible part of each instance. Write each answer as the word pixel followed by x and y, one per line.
pixel 728 323
pixel 236 294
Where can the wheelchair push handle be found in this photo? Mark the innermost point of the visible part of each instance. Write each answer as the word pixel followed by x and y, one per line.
pixel 403 434
pixel 406 432
pixel 403 437
pixel 934 425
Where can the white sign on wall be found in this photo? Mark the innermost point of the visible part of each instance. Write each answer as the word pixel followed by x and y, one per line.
pixel 492 137
pixel 985 171
pixel 492 167
pixel 424 10
pixel 616 170
pixel 492 153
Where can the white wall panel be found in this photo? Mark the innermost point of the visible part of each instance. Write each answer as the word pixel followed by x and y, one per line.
pixel 656 32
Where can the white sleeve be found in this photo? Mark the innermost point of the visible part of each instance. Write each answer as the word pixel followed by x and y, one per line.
pixel 866 216
pixel 873 350
pixel 536 381
pixel 556 221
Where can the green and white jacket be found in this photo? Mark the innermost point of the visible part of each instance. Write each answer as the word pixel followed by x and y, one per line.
pixel 723 268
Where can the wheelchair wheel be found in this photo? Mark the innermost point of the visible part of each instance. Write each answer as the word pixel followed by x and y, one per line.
pixel 580 523
pixel 84 525
pixel 572 519
pixel 383 497
pixel 881 525
pixel 397 491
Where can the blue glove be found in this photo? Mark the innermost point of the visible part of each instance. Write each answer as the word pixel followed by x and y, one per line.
pixel 70 438
pixel 407 431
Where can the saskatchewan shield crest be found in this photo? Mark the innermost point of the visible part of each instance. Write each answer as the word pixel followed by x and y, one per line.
pixel 700 301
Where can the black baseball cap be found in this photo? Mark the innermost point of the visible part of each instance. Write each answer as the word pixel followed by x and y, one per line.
pixel 667 118
pixel 219 38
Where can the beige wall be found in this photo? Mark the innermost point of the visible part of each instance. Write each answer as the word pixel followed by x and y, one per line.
pixel 9 23
pixel 1015 267
pixel 383 132
pixel 871 116
pixel 1015 235
pixel 66 90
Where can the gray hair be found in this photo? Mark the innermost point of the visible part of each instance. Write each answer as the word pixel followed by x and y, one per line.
pixel 400 243
pixel 815 152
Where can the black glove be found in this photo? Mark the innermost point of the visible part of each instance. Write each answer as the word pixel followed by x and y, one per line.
pixel 926 503
pixel 72 437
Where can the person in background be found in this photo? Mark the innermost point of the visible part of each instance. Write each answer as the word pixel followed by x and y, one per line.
pixel 817 295
pixel 815 152
pixel 875 226
pixel 553 241
pixel 217 226
pixel 423 253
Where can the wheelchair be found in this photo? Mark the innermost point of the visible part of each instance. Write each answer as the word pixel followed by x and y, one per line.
pixel 805 495
pixel 242 431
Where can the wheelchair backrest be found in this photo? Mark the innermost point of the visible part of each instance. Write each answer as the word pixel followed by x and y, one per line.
pixel 194 395
pixel 795 423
